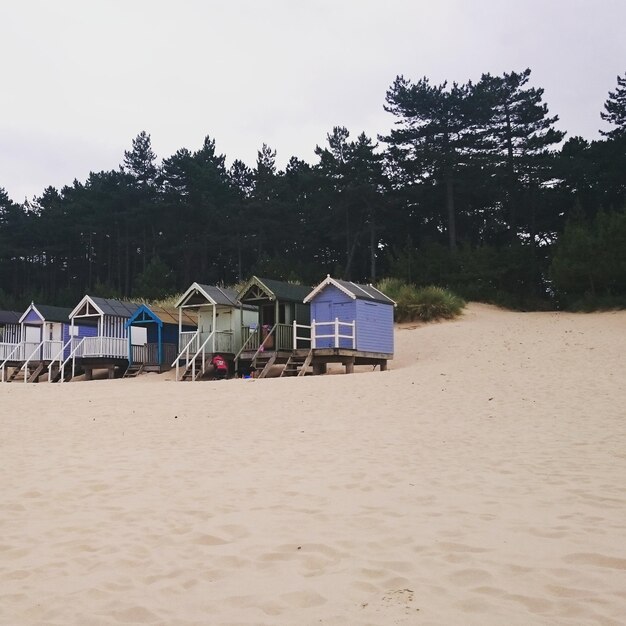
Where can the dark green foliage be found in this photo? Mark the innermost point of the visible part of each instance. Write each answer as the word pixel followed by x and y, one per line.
pixel 589 264
pixel 467 190
pixel 615 110
pixel 156 282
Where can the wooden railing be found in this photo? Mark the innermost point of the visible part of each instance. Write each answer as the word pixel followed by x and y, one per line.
pixel 148 354
pixel 280 337
pixel 185 338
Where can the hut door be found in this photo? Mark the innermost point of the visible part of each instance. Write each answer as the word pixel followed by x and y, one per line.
pixel 32 338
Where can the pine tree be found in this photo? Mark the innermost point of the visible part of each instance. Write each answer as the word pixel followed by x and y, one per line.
pixel 434 138
pixel 520 135
pixel 615 110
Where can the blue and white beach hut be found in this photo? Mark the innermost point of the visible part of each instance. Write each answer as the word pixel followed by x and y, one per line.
pixel 106 345
pixel 163 327
pixel 351 322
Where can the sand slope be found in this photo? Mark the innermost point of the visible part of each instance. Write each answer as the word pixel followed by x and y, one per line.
pixel 479 481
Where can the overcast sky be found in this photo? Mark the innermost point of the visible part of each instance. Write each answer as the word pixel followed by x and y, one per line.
pixel 80 79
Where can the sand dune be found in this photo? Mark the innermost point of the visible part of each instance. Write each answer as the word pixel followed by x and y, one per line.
pixel 479 481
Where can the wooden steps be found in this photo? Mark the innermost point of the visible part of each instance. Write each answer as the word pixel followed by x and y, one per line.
pixel 30 373
pixel 263 364
pixel 132 371
pixel 297 365
pixel 187 374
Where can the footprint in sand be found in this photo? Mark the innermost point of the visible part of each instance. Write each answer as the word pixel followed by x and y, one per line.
pixel 303 599
pixel 135 615
pixel 466 577
pixel 600 560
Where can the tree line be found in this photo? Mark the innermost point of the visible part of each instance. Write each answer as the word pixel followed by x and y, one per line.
pixel 473 188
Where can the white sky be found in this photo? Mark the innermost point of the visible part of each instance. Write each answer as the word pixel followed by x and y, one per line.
pixel 81 78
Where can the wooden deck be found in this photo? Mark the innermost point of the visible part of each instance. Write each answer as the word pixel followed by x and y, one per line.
pixel 321 357
pixel 346 357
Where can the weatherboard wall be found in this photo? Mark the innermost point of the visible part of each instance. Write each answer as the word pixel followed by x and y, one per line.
pixel 374 320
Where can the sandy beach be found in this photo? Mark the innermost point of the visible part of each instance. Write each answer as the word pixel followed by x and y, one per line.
pixel 481 481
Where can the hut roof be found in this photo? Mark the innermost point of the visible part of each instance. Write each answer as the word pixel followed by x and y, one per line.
pixel 219 296
pixel 276 289
pixel 9 317
pixel 103 306
pixel 354 290
pixel 118 308
pixel 169 315
pixel 53 313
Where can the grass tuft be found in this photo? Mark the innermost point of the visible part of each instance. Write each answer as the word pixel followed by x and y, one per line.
pixel 424 303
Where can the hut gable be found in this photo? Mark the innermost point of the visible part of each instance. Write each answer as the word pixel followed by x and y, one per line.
pixel 269 289
pixel 46 313
pixel 355 291
pixel 198 294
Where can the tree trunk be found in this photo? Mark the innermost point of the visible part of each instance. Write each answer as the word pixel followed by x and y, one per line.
pixel 451 212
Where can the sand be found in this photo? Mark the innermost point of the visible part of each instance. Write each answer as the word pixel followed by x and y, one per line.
pixel 479 481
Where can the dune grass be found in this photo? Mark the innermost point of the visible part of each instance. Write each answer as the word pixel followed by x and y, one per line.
pixel 421 303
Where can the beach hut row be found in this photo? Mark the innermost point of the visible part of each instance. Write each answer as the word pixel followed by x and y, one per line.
pixel 266 324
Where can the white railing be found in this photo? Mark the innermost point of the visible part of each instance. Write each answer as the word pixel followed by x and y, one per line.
pixel 187 350
pixel 76 344
pixel 99 347
pixel 58 357
pixel 216 342
pixel 336 333
pixel 15 355
pixel 192 362
pixel 8 350
pixel 50 349
pixel 297 337
pixel 35 355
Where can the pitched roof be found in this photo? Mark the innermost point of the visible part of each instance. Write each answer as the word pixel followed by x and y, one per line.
pixel 53 313
pixel 106 306
pixel 277 289
pixel 221 295
pixel 354 290
pixel 214 295
pixel 9 317
pixel 169 315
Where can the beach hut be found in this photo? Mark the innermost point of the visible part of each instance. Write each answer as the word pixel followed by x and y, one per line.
pixel 10 328
pixel 163 327
pixel 220 319
pixel 351 324
pixel 280 305
pixel 44 342
pixel 10 339
pixel 104 345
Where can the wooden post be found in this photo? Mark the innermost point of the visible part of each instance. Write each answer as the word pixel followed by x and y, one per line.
pixel 214 329
pixel 350 366
pixel 336 332
pixel 130 347
pixel 383 366
pixel 88 373
pixel 313 346
pixel 295 335
pixel 160 345
pixel 180 328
